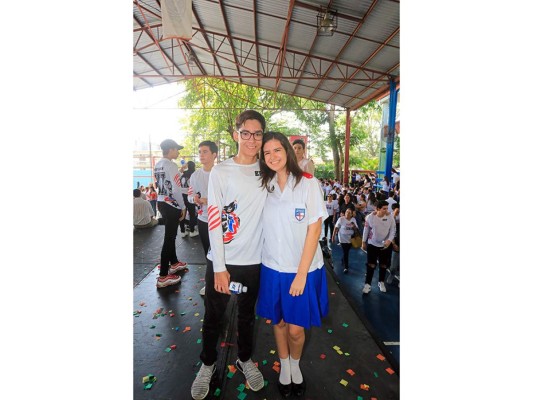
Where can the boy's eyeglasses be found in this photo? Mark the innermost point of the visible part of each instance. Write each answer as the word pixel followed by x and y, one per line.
pixel 247 135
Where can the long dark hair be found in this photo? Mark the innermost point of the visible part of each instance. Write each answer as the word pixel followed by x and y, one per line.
pixel 292 164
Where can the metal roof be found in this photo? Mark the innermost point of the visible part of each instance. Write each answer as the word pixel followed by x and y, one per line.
pixel 274 45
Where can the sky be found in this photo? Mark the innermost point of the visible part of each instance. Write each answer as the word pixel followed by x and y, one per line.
pixel 155 113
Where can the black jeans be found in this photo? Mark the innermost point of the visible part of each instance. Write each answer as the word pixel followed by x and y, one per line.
pixel 171 216
pixel 191 208
pixel 215 307
pixel 203 230
pixel 346 253
pixel 328 223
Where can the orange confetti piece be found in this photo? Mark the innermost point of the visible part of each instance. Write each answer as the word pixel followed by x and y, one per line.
pixel 276 363
pixel 350 371
pixel 390 371
pixel 187 329
pixel 380 357
pixel 268 321
pixel 276 368
pixel 232 368
pixel 364 386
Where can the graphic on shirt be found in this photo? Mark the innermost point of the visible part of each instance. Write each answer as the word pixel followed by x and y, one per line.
pixel 230 222
pixel 299 213
pixel 213 217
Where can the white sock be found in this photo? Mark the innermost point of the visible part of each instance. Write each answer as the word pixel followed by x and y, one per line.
pixel 296 374
pixel 285 372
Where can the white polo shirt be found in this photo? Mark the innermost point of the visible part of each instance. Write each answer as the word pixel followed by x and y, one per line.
pixel 285 219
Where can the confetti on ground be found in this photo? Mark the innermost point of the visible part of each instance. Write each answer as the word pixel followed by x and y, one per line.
pixel 158 334
pixel 322 356
pixel 272 351
pixel 333 293
pixel 182 313
pixel 242 396
pixel 343 382
pixel 152 327
pixel 199 341
pixel 350 371
pixel 359 397
pixel 373 398
pixel 364 386
pixel 187 329
pixel 232 368
pixel 230 375
pixel 330 331
pixel 347 354
pixel 173 347
pixel 390 371
pixel 149 381
pixel 241 387
pixel 380 357
pixel 190 298
pixel 336 347
pixel 264 362
pixel 276 368
pixel 375 374
pixel 345 324
pixel 168 349
pixel 217 392
pixel 277 363
pixel 171 314
pixel 142 303
pixel 340 352
pixel 196 314
pixel 136 313
pixel 268 321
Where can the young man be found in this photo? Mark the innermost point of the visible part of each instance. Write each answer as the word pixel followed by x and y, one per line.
pixel 197 194
pixel 172 208
pixel 306 164
pixel 380 229
pixel 143 214
pixel 235 206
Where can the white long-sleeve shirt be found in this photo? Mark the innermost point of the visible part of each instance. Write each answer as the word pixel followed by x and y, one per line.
pixel 378 230
pixel 142 211
pixel 199 183
pixel 168 177
pixel 235 204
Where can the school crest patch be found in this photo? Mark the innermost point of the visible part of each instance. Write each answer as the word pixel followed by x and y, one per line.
pixel 299 213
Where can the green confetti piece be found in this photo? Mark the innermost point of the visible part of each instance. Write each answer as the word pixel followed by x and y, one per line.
pixel 230 375
pixel 241 387
pixel 359 398
pixel 148 386
pixel 266 383
pixel 330 331
pixel 177 328
pixel 152 327
pixel 168 349
pixel 242 396
pixel 346 354
pixel 199 341
pixel 182 313
pixel 376 374
pixel 217 392
pixel 264 362
pixel 345 325
pixel 158 334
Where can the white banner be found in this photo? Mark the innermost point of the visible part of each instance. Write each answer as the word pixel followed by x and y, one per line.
pixel 176 16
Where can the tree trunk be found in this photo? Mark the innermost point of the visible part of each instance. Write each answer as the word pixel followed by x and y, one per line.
pixel 333 141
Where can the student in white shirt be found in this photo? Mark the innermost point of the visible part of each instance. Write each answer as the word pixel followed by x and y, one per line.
pixel 305 164
pixel 143 214
pixel 293 290
pixel 345 228
pixel 197 192
pixel 235 201
pixel 380 229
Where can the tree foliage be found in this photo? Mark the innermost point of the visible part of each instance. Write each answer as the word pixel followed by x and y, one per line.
pixel 213 105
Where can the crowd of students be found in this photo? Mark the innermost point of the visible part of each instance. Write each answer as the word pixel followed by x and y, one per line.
pixel 259 215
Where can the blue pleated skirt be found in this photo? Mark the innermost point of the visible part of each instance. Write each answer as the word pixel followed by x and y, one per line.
pixel 275 302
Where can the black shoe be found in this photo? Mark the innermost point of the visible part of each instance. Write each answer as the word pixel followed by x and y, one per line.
pixel 298 389
pixel 285 390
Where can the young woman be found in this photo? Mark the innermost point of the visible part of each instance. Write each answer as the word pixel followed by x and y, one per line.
pixel 293 289
pixel 345 228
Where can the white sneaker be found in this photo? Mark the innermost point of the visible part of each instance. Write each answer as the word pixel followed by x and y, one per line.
pixel 193 233
pixel 202 291
pixel 253 376
pixel 367 288
pixel 200 386
pixel 381 286
pixel 183 234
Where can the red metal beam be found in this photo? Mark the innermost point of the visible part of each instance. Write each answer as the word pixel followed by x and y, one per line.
pixel 283 47
pixel 225 19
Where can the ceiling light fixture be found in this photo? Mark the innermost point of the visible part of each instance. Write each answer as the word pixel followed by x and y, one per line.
pixel 326 22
